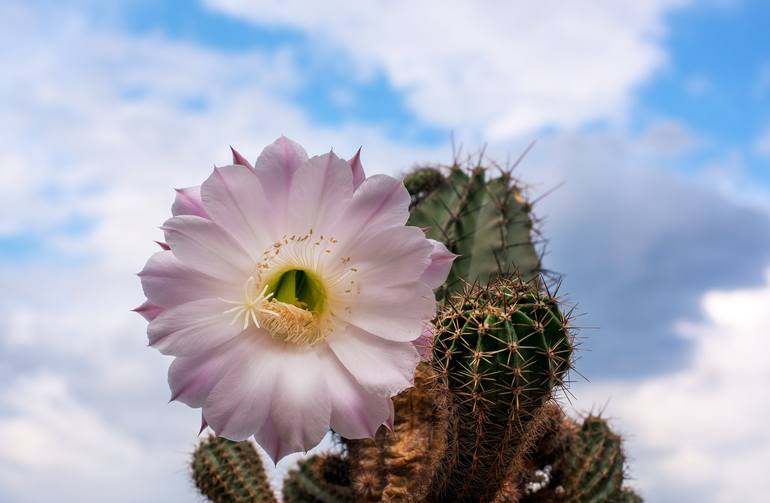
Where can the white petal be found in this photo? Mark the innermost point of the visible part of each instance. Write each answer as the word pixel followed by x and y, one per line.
pixel 191 378
pixel 192 328
pixel 396 313
pixel 234 199
pixel 382 367
pixel 381 202
pixel 275 168
pixel 203 245
pixel 441 261
pixel 300 407
pixel 320 191
pixel 167 282
pixel 356 412
pixel 394 256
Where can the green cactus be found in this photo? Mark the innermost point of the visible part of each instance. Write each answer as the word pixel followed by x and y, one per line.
pixel 502 349
pixel 319 479
pixel 486 221
pixel 586 464
pixel 230 472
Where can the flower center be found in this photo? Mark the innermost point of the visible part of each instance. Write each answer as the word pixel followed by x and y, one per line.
pixel 300 288
pixel 290 305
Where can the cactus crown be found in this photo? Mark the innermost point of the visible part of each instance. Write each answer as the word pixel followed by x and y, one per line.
pixel 484 219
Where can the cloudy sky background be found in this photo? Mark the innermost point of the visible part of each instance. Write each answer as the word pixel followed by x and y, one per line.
pixel 654 116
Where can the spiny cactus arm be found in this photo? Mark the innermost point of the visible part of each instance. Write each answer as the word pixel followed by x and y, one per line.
pixel 485 221
pixel 319 479
pixel 230 472
pixel 586 463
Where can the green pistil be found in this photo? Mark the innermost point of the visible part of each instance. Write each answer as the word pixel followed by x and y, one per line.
pixel 300 288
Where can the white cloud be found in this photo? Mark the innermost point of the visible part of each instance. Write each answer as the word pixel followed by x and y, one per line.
pixel 501 68
pixel 700 433
pixel 55 445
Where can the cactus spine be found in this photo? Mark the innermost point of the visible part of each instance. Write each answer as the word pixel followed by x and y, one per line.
pixel 501 349
pixel 319 479
pixel 230 472
pixel 485 221
pixel 586 463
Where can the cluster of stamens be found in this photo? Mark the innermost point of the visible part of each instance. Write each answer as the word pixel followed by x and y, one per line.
pixel 284 321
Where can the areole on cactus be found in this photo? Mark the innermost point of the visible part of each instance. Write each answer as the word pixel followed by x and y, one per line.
pixel 481 422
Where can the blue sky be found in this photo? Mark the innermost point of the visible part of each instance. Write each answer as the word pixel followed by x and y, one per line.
pixel 654 116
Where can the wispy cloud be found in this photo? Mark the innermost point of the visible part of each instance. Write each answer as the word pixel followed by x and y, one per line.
pixel 501 70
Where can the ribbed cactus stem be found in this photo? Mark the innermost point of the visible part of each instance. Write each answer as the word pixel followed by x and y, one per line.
pixel 501 349
pixel 397 466
pixel 230 472
pixel 319 479
pixel 585 463
pixel 483 219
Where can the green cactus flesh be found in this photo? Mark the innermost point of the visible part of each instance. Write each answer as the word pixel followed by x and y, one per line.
pixel 319 479
pixel 586 464
pixel 592 469
pixel 486 221
pixel 502 349
pixel 230 472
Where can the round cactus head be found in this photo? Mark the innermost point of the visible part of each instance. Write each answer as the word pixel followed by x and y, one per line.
pixel 502 349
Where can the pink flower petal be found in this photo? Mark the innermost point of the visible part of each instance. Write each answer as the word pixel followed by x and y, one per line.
pixel 441 261
pixel 381 367
pixel 356 413
pixel 320 192
pixel 234 199
pixel 188 202
pixel 357 169
pixel 300 408
pixel 275 168
pixel 167 282
pixel 191 378
pixel 375 311
pixel 391 257
pixel 424 343
pixel 193 328
pixel 277 393
pixel 239 159
pixel 379 203
pixel 203 245
pixel 148 310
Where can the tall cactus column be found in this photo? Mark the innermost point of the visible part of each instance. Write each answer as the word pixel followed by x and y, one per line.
pixel 501 350
pixel 486 221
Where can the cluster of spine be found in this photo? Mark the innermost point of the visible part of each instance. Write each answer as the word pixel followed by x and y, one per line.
pixel 230 472
pixel 480 424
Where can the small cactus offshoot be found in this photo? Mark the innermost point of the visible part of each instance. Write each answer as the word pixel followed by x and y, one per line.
pixel 230 472
pixel 319 479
